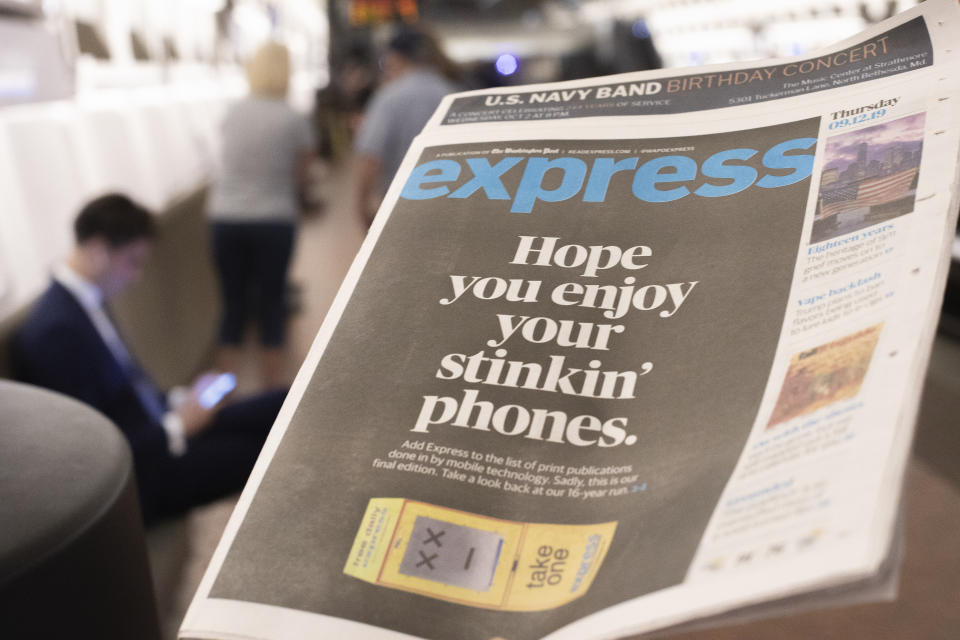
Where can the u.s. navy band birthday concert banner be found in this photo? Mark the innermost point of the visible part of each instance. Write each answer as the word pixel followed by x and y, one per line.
pixel 605 366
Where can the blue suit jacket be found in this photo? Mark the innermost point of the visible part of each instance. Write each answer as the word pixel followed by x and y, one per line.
pixel 58 347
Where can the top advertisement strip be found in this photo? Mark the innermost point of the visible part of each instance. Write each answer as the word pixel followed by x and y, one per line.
pixel 901 49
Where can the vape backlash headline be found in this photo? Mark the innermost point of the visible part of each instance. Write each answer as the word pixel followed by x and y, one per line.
pixel 661 179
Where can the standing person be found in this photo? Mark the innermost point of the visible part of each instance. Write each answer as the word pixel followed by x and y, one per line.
pixel 416 75
pixel 254 206
pixel 188 448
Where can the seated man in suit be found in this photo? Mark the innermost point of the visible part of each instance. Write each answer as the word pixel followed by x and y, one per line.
pixel 185 453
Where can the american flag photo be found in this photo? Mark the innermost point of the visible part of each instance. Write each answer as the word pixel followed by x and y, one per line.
pixel 870 176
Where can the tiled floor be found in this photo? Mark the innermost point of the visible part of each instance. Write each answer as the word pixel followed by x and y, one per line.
pixel 928 607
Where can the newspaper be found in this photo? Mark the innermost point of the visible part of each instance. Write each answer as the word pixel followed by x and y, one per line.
pixel 618 354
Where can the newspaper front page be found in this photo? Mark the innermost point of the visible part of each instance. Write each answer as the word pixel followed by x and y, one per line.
pixel 617 354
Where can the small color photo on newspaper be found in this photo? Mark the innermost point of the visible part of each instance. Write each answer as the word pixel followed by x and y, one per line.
pixel 825 374
pixel 869 176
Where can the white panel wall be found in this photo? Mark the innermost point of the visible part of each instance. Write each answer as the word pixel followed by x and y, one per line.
pixel 21 269
pixel 48 174
pixel 152 145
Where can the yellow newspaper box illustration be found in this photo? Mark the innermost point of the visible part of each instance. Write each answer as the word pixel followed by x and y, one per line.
pixel 476 560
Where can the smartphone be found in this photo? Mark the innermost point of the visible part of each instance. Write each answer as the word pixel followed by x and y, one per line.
pixel 221 386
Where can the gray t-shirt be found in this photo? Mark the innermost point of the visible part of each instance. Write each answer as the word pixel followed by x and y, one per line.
pixel 397 113
pixel 262 141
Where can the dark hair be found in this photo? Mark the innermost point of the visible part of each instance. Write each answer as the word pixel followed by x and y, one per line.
pixel 421 46
pixel 115 218
pixel 409 42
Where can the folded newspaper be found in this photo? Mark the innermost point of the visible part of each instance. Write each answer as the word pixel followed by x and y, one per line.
pixel 618 355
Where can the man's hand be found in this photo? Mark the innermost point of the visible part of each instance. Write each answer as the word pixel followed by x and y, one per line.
pixel 195 418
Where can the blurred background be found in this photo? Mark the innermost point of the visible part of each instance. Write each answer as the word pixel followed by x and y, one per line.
pixel 129 95
pixel 96 80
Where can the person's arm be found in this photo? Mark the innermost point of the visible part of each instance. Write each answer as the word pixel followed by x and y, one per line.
pixel 366 178
pixel 303 181
pixel 305 139
pixel 304 160
pixel 59 361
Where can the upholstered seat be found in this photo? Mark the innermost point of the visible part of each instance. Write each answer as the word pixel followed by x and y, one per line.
pixel 73 560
